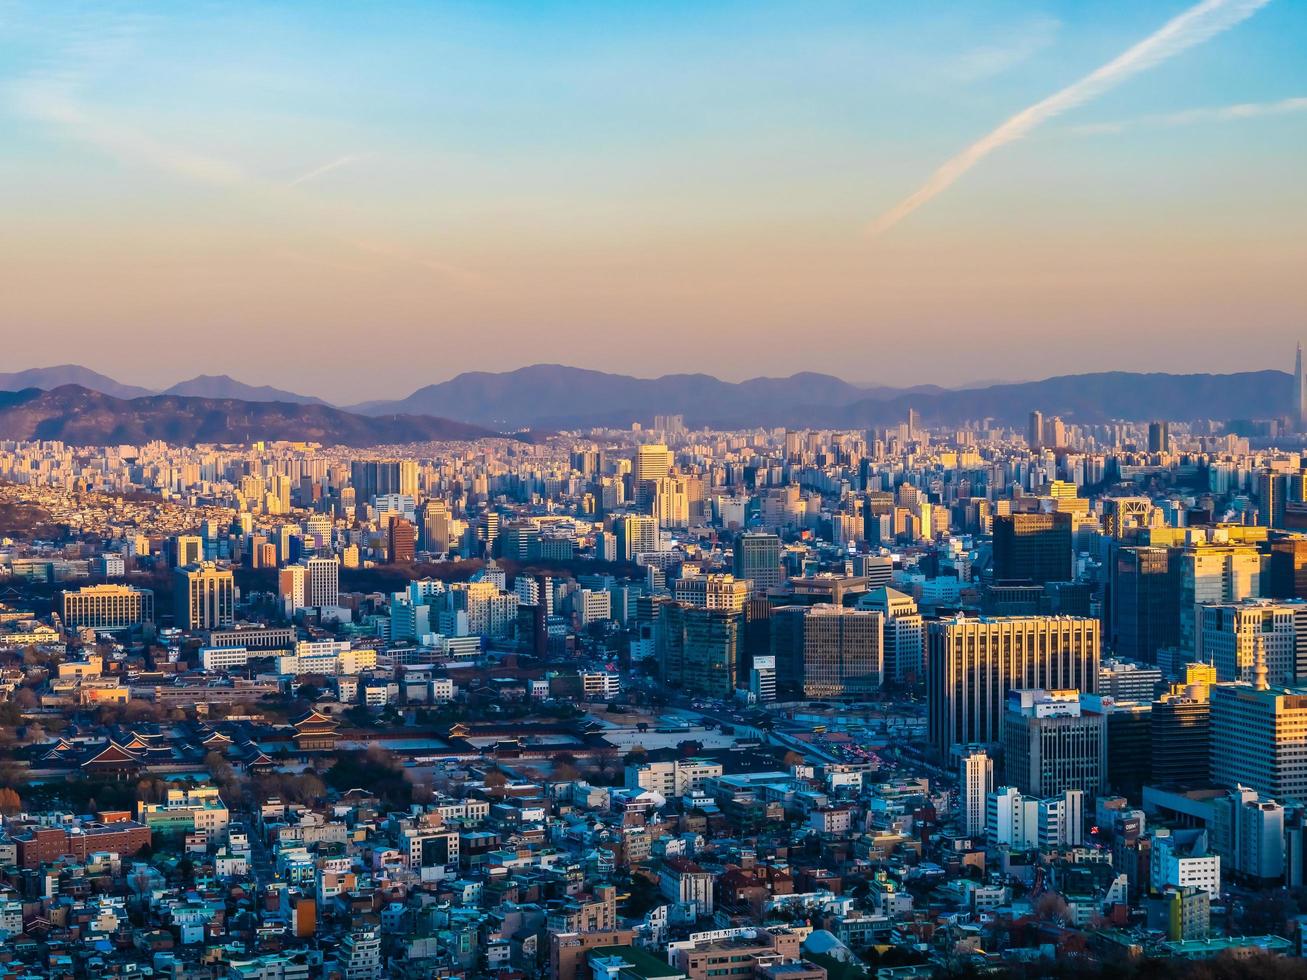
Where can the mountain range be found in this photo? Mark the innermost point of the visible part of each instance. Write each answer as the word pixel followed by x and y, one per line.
pixel 553 396
pixel 82 417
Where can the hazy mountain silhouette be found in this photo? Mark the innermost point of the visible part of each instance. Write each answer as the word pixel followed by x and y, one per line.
pixel 82 417
pixel 225 386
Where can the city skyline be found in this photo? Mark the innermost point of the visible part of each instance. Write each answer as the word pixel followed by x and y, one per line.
pixel 496 185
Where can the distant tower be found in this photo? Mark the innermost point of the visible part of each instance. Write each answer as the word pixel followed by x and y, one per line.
pixel 1299 393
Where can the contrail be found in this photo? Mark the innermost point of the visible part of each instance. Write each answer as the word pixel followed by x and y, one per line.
pixel 326 168
pixel 1188 117
pixel 1196 25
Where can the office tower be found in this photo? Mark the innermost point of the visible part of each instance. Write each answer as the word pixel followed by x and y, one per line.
pixel 973 663
pixel 975 783
pixel 204 597
pixel 108 607
pixel 1286 569
pixel 1231 636
pixel 1144 602
pixel 372 478
pixel 1272 490
pixel 1181 731
pixel 1035 430
pixel 485 609
pixel 1299 413
pixel 1032 548
pixel 1125 680
pixel 713 591
pixel 636 534
pixel 1212 572
pixel 519 540
pixel 586 462
pixel 401 539
pixel 1259 738
pixel 292 587
pixel 697 649
pixel 757 557
pixel 189 550
pixel 1159 437
pixel 671 502
pixel 1128 727
pixel 842 651
pixel 1050 745
pixel 287 544
pixel 435 526
pixel 322 582
pixel 905 634
pixel 652 462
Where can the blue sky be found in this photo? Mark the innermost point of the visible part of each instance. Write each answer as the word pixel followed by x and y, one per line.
pixel 645 187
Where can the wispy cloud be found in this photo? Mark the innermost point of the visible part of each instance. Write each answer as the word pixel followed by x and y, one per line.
pixel 1196 25
pixel 49 98
pixel 326 168
pixel 1192 117
pixel 1019 46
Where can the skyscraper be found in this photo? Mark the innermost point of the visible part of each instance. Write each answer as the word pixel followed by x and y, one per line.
pixel 757 557
pixel 975 783
pixel 973 663
pixel 1159 437
pixel 1035 430
pixel 1032 548
pixel 842 651
pixel 204 596
pixel 401 541
pixel 1144 602
pixel 1050 745
pixel 322 581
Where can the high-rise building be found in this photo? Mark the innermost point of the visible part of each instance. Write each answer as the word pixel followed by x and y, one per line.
pixel 1050 745
pixel 671 502
pixel 1231 636
pixel 401 544
pixel 1272 491
pixel 697 648
pixel 842 651
pixel 322 582
pixel 188 550
pixel 1259 738
pixel 1213 572
pixel 905 634
pixel 757 557
pixel 1144 602
pixel 1159 437
pixel 975 783
pixel 1181 731
pixel 653 461
pixel 973 663
pixel 292 587
pixel 1035 430
pixel 108 607
pixel 714 591
pixel 435 526
pixel 1032 548
pixel 372 478
pixel 636 534
pixel 1286 569
pixel 204 597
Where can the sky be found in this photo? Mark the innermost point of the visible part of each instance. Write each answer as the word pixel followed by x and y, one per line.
pixel 357 199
